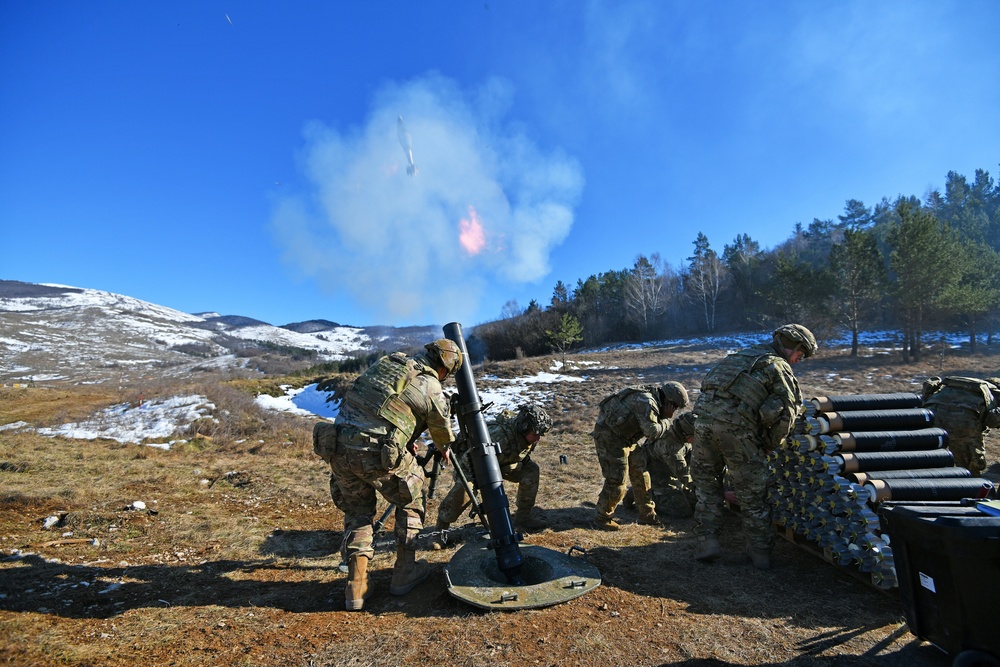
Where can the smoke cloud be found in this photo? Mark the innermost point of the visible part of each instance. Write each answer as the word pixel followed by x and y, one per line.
pixel 485 207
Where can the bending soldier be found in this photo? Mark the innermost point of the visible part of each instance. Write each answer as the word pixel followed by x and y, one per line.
pixel 516 434
pixel 371 450
pixel 668 462
pixel 624 418
pixel 747 406
pixel 966 408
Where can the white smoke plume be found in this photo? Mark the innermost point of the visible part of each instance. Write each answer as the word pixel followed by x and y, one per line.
pixel 486 206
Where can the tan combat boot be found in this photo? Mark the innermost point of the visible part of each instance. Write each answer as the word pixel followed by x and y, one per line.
pixel 358 586
pixel 650 520
pixel 408 572
pixel 524 520
pixel 708 549
pixel 606 523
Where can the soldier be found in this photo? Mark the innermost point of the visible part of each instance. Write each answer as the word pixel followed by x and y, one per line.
pixel 381 416
pixel 624 418
pixel 747 406
pixel 668 462
pixel 967 408
pixel 516 434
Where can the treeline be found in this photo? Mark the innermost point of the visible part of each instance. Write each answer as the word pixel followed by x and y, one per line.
pixel 905 264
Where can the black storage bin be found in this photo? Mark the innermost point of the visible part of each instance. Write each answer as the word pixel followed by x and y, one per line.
pixel 947 558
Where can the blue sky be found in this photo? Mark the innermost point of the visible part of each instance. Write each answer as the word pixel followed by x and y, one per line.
pixel 245 157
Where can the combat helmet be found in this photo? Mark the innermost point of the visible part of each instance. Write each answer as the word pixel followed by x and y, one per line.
pixel 533 418
pixel 685 423
pixel 446 354
pixel 791 336
pixel 675 393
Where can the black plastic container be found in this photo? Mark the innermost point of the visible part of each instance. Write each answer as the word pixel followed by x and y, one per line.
pixel 947 558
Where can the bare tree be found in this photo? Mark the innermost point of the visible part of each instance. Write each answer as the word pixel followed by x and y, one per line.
pixel 705 278
pixel 645 292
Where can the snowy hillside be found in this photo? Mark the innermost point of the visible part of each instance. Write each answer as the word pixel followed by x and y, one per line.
pixel 56 332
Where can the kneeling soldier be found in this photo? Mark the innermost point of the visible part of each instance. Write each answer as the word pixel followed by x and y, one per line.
pixel 668 462
pixel 624 418
pixel 516 434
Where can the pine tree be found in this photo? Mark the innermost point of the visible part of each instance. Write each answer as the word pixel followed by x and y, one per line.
pixel 921 262
pixel 566 335
pixel 859 277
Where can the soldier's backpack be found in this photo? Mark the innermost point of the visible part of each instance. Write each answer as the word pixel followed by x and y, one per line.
pixel 376 393
pixel 617 415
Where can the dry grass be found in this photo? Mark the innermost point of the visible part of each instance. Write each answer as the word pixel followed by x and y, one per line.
pixel 236 564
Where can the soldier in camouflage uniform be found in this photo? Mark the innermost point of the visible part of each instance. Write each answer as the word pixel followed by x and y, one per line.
pixel 370 449
pixel 624 418
pixel 748 405
pixel 516 434
pixel 668 462
pixel 966 408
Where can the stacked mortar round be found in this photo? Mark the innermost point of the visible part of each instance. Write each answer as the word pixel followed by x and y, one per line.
pixel 813 497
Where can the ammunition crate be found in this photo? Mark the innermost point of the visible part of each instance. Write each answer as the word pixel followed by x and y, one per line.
pixel 947 558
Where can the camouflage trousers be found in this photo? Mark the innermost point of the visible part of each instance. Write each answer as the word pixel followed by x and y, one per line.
pixel 965 437
pixel 525 475
pixel 618 458
pixel 356 475
pixel 718 446
pixel 670 478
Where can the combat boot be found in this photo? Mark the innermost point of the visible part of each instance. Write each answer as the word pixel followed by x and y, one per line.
pixel 440 540
pixel 606 523
pixel 358 587
pixel 708 549
pixel 760 556
pixel 650 520
pixel 408 572
pixel 524 520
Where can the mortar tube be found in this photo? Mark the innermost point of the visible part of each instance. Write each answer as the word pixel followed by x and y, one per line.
pixel 487 469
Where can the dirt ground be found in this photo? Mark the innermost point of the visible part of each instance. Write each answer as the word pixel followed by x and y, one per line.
pixel 234 561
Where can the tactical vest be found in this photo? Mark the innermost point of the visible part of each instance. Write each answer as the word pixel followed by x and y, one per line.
pixel 733 378
pixel 971 392
pixel 503 431
pixel 376 394
pixel 617 415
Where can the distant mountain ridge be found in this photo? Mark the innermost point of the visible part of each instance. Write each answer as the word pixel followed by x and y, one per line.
pixel 63 333
pixel 311 326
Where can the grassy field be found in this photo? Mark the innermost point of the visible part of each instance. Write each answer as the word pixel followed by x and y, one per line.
pixel 234 560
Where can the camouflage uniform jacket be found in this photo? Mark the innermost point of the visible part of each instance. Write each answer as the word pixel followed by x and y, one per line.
pixel 632 413
pixel 374 407
pixel 673 449
pixel 975 397
pixel 514 449
pixel 753 389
